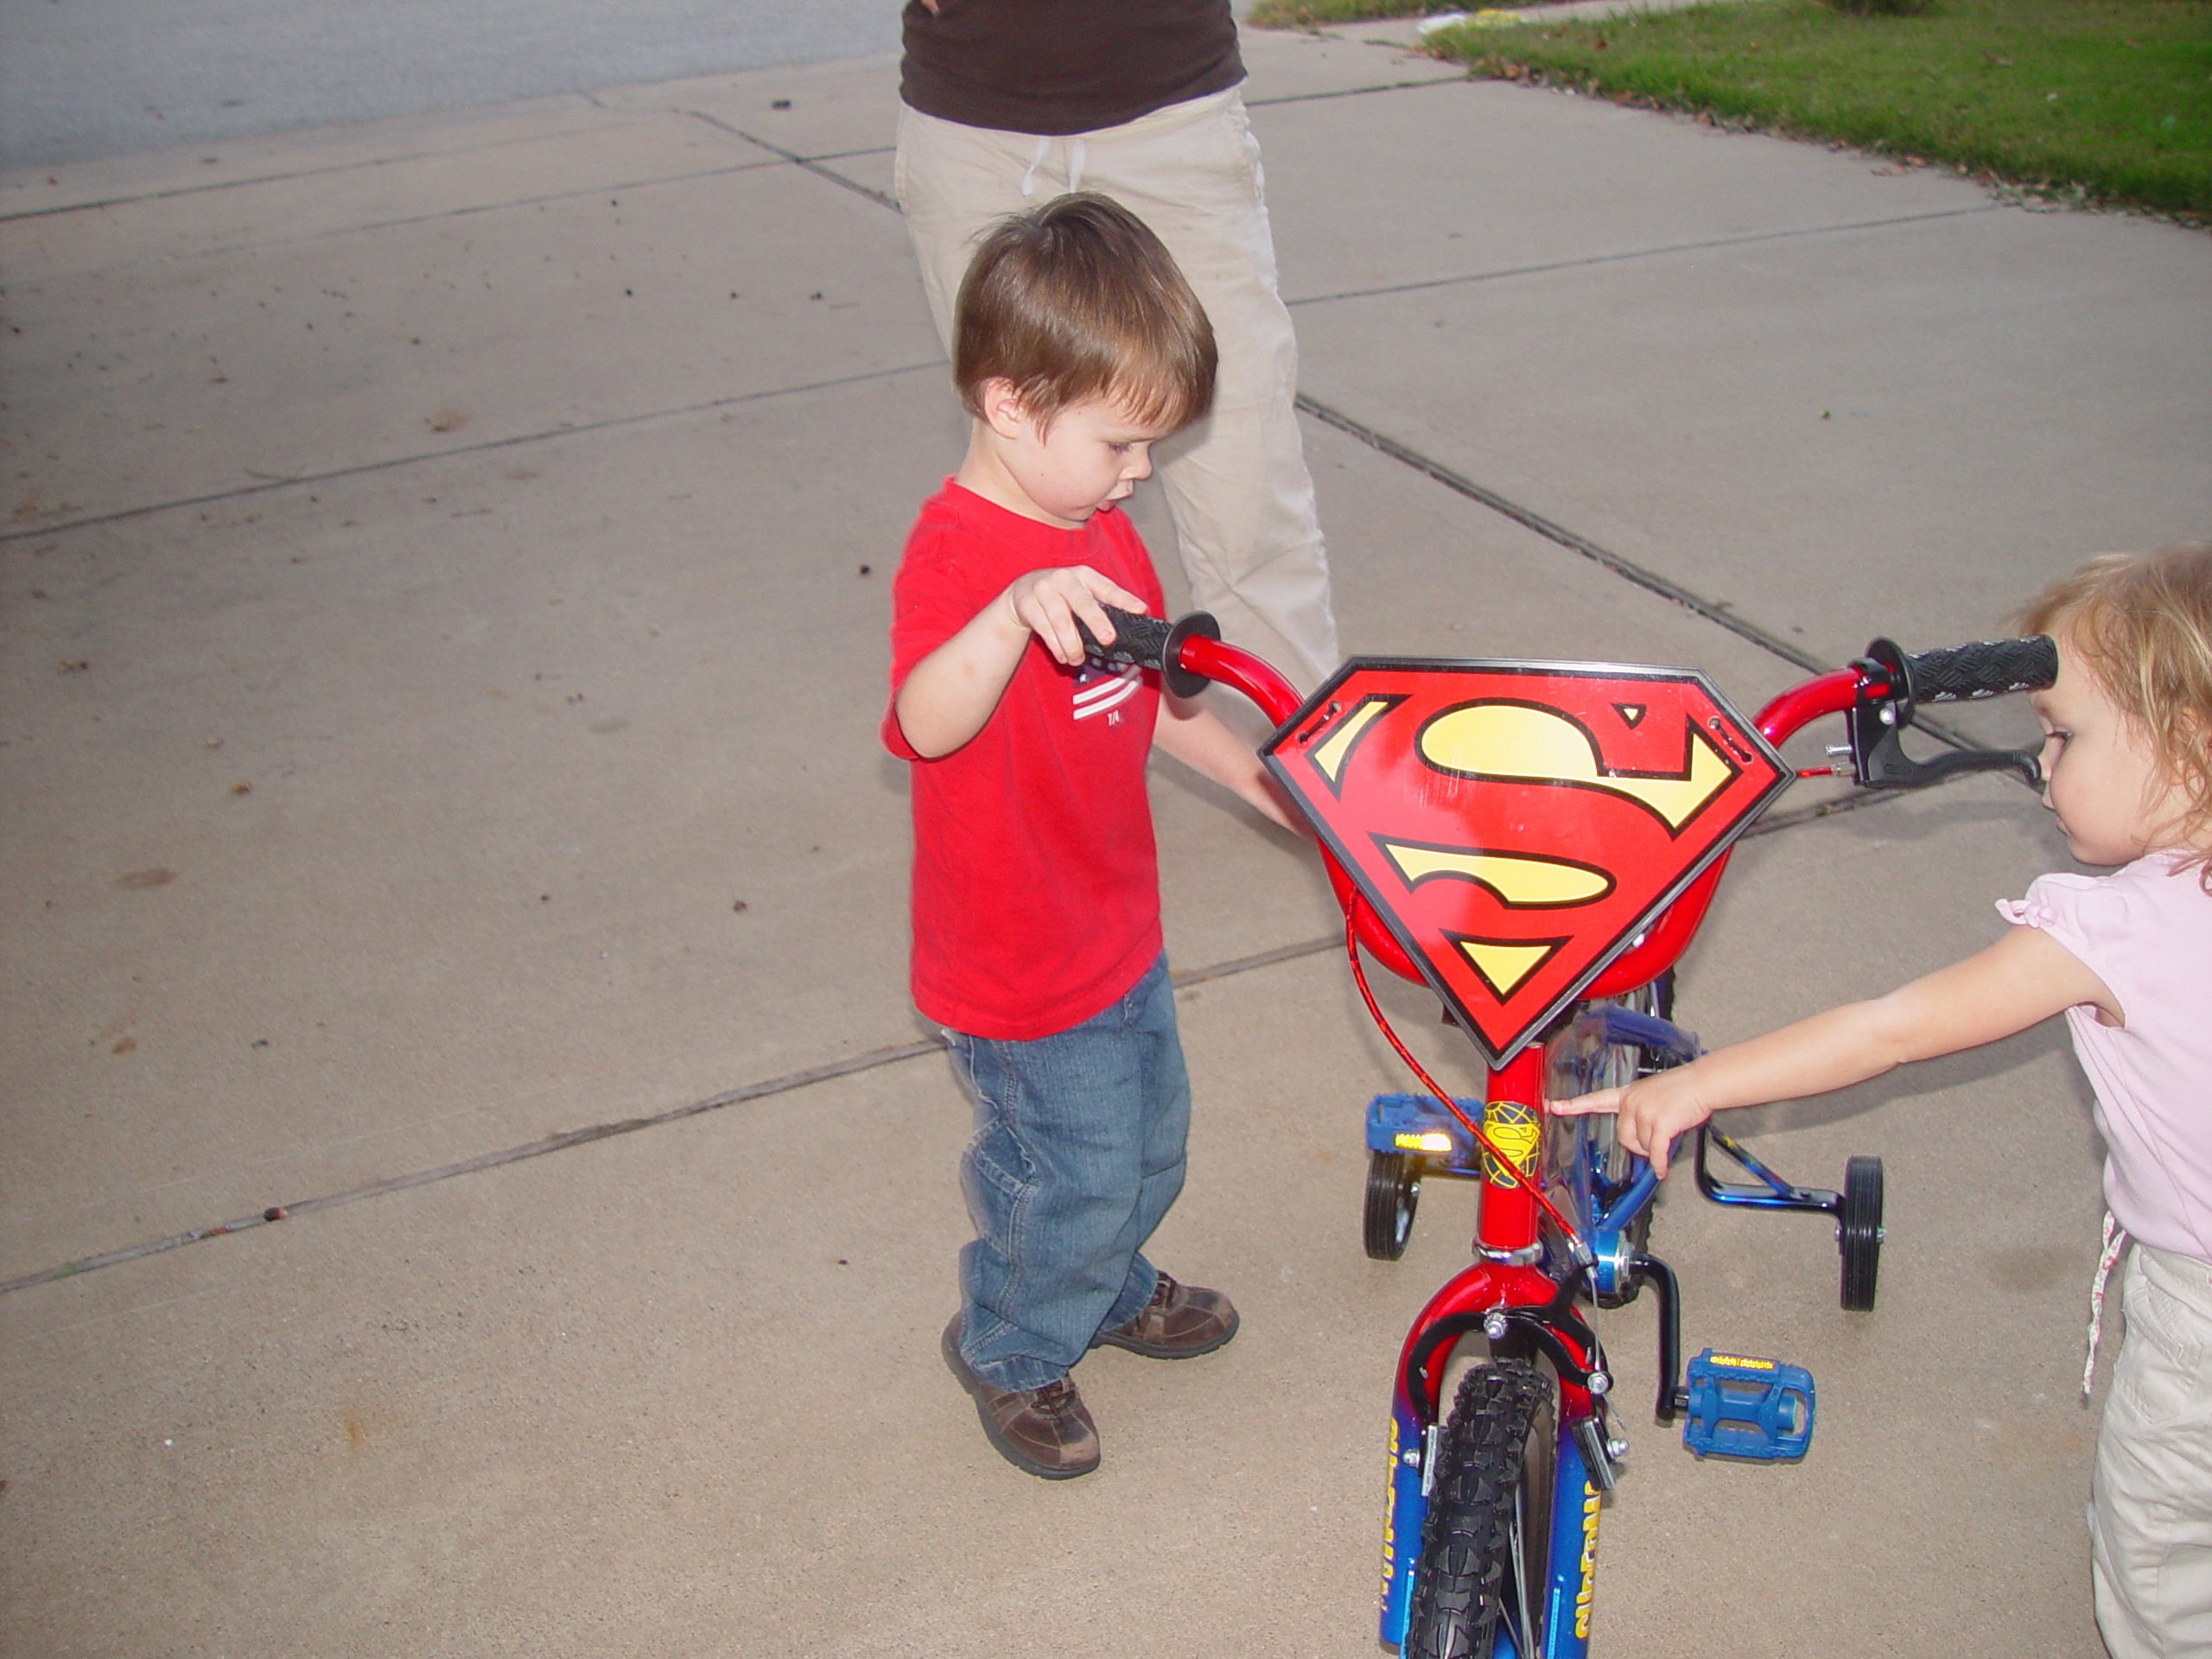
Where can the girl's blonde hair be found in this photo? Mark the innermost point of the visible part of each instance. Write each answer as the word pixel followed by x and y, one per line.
pixel 2142 624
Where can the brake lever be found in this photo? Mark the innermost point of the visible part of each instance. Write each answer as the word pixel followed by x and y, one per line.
pixel 1877 718
pixel 1884 764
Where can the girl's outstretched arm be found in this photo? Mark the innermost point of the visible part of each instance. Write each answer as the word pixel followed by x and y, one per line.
pixel 2024 977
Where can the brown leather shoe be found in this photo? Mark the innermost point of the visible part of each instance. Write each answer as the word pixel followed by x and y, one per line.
pixel 1179 1322
pixel 1046 1431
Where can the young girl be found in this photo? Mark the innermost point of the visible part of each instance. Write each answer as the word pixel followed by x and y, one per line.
pixel 2128 767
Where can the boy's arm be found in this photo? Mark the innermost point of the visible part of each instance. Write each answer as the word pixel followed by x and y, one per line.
pixel 1197 738
pixel 2024 977
pixel 948 696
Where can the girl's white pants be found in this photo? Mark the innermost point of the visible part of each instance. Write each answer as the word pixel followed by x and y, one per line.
pixel 2150 1513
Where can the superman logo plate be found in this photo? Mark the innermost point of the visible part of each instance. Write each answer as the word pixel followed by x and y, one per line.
pixel 1518 825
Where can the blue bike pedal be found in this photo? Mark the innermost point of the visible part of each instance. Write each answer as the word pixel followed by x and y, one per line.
pixel 1419 1124
pixel 1758 1409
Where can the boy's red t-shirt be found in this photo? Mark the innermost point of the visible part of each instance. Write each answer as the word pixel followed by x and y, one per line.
pixel 1036 889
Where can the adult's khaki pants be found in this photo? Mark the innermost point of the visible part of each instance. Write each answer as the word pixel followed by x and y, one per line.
pixel 1236 482
pixel 2151 1514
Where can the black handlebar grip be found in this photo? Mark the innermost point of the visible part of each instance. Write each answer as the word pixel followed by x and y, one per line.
pixel 1989 669
pixel 1138 641
pixel 1149 642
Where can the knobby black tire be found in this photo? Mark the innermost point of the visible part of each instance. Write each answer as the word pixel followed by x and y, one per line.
pixel 1466 1549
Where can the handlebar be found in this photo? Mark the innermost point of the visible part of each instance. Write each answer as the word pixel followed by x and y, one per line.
pixel 1890 685
pixel 1990 668
pixel 1188 654
pixel 1879 692
pixel 1150 642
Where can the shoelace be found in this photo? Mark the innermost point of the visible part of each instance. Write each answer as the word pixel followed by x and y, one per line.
pixel 1058 1398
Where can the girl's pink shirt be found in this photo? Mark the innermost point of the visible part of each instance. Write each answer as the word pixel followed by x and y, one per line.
pixel 2146 931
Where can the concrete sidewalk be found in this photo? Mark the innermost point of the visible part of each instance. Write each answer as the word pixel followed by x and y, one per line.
pixel 445 586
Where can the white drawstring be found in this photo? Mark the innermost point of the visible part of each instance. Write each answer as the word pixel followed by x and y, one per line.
pixel 2115 1241
pixel 1077 155
pixel 1036 160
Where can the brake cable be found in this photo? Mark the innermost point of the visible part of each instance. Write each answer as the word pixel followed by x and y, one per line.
pixel 1497 1158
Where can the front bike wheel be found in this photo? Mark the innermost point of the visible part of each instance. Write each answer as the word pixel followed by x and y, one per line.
pixel 1485 1548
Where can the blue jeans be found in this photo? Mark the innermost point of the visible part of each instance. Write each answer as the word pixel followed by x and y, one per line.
pixel 1077 1155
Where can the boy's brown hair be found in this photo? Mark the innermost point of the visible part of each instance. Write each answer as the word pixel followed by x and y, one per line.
pixel 2142 624
pixel 1077 300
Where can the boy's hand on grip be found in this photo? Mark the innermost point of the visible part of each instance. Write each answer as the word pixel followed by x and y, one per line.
pixel 1048 602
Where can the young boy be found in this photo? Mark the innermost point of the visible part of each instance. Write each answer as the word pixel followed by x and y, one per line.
pixel 1036 905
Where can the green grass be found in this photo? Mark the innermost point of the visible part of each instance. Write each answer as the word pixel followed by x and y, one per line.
pixel 2098 100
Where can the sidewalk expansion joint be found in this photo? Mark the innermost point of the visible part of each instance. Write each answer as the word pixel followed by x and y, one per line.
pixel 1358 92
pixel 475 210
pixel 562 1142
pixel 796 160
pixel 399 160
pixel 612 423
pixel 873 1059
pixel 1662 250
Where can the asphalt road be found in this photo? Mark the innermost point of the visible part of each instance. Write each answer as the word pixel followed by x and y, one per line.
pixel 80 79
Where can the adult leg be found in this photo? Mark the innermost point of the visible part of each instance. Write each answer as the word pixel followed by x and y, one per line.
pixel 2151 1547
pixel 1236 481
pixel 951 183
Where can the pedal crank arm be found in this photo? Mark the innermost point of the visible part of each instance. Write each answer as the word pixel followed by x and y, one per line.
pixel 1672 1397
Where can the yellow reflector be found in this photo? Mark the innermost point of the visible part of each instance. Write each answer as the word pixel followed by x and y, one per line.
pixel 1436 1141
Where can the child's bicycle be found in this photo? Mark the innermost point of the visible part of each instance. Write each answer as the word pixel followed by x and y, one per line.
pixel 1538 842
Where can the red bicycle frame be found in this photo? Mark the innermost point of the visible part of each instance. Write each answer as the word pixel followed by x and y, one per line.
pixel 1507 1223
